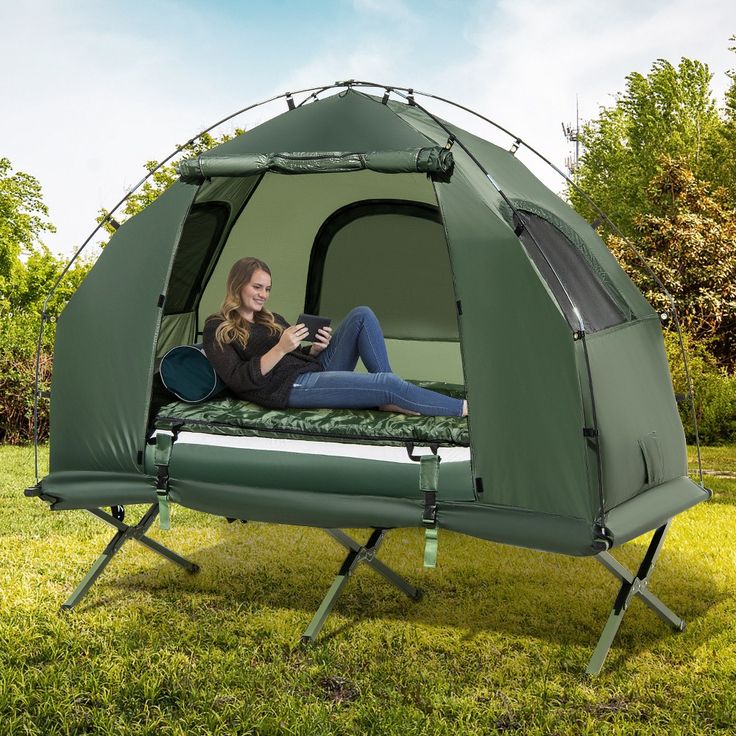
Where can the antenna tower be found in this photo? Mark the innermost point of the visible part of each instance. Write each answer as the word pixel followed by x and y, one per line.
pixel 573 136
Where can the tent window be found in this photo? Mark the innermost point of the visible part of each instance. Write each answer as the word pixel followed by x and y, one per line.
pixel 392 256
pixel 558 260
pixel 199 239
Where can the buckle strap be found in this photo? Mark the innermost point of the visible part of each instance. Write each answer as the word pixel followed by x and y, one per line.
pixel 429 473
pixel 165 438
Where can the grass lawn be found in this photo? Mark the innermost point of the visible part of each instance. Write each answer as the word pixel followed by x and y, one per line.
pixel 498 644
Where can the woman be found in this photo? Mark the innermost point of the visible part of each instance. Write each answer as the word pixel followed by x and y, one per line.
pixel 258 356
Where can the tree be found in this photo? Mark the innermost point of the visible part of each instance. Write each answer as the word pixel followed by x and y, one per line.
pixel 165 176
pixel 22 220
pixel 661 162
pixel 724 153
pixel 28 270
pixel 670 112
pixel 690 243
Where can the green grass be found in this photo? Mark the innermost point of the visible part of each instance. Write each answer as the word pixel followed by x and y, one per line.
pixel 720 460
pixel 497 645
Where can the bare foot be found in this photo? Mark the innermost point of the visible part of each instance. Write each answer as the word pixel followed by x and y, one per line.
pixel 397 409
pixel 465 408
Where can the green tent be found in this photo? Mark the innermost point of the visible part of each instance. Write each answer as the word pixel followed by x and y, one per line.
pixel 485 282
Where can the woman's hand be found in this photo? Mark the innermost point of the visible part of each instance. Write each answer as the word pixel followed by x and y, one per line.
pixel 323 337
pixel 290 340
pixel 292 337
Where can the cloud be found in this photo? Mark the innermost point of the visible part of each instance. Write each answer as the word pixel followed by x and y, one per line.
pixel 96 93
pixel 98 88
pixel 80 118
pixel 377 63
pixel 528 60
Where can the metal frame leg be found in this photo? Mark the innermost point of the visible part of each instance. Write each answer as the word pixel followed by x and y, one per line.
pixel 631 586
pixel 124 533
pixel 357 553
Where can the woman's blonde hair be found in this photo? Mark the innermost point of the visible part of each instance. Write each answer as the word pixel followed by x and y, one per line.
pixel 233 327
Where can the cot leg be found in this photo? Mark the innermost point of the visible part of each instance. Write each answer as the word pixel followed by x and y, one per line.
pixel 632 585
pixel 124 533
pixel 115 544
pixel 357 553
pixel 369 558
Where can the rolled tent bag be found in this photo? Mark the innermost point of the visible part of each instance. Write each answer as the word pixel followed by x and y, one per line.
pixel 188 374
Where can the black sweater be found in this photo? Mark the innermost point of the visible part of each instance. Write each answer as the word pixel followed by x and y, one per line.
pixel 240 368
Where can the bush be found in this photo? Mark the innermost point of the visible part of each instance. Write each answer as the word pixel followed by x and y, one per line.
pixel 713 388
pixel 20 317
pixel 27 272
pixel 17 377
pixel 690 243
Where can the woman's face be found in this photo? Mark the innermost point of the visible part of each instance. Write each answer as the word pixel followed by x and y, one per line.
pixel 254 294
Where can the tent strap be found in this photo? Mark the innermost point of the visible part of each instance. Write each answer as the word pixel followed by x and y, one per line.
pixel 165 436
pixel 429 473
pixel 357 553
pixel 431 160
pixel 632 585
pixel 124 533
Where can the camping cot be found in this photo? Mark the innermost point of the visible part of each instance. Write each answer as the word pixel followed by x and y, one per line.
pixel 488 286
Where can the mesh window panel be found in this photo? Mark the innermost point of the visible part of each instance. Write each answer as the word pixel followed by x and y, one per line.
pixel 199 238
pixel 558 260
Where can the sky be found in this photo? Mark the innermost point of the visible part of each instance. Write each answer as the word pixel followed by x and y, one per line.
pixel 92 89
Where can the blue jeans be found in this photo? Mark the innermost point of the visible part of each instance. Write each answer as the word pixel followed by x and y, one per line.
pixel 359 336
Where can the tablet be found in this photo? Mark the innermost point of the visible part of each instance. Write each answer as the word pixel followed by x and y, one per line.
pixel 312 322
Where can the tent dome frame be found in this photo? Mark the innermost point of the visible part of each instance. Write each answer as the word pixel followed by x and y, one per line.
pixel 408 94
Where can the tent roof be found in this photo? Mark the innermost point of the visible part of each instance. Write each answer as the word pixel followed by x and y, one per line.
pixel 348 121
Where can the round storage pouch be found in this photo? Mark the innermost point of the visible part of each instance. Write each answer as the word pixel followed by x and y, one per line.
pixel 188 374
